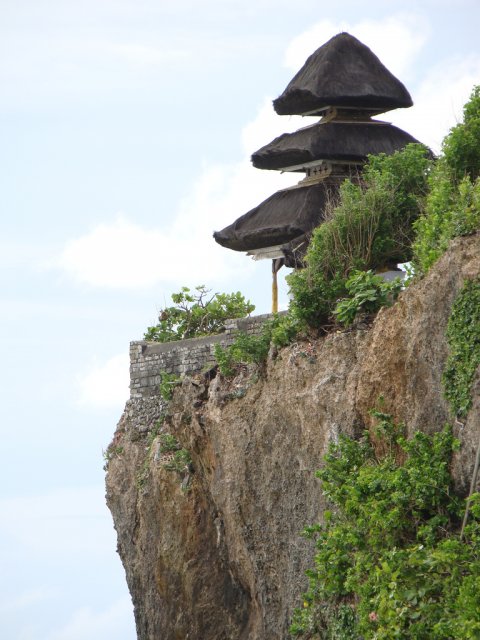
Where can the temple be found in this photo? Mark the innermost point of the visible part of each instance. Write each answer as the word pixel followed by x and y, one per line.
pixel 345 84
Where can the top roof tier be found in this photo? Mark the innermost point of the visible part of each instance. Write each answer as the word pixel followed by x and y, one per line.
pixel 342 73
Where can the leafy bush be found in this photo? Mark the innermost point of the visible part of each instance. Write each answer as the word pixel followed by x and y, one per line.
pixel 225 360
pixel 451 210
pixel 175 458
pixel 453 203
pixel 463 335
pixel 314 293
pixel 460 148
pixel 167 384
pixel 179 462
pixel 179 459
pixel 371 226
pixel 195 315
pixel 367 293
pixel 168 443
pixel 247 348
pixel 112 451
pixel 285 329
pixel 389 561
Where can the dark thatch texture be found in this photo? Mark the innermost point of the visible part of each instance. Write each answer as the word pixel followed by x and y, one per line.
pixel 344 142
pixel 343 72
pixel 279 219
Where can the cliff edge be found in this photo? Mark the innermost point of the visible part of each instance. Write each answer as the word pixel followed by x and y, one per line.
pixel 209 492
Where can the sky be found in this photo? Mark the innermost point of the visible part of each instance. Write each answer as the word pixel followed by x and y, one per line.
pixel 126 129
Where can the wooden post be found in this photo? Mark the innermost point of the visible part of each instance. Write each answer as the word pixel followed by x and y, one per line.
pixel 274 288
pixel 277 264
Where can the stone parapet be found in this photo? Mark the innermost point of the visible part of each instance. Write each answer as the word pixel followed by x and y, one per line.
pixel 149 360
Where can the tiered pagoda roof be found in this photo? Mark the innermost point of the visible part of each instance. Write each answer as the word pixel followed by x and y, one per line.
pixel 343 72
pixel 341 141
pixel 345 83
pixel 282 217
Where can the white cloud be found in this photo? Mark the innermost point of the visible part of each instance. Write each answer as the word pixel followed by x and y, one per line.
pixel 398 40
pixel 123 254
pixel 105 385
pixel 439 100
pixel 113 622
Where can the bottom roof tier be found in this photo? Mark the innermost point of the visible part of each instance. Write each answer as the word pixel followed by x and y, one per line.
pixel 282 217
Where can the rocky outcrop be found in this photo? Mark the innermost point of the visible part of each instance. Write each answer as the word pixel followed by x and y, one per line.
pixel 212 548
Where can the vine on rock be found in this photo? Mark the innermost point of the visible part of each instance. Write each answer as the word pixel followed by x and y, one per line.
pixel 463 336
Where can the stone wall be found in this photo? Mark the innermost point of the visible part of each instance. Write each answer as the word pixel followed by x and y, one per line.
pixel 148 360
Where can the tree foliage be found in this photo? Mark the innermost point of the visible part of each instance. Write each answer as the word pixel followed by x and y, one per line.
pixel 197 313
pixel 460 147
pixel 250 348
pixel 389 562
pixel 453 203
pixel 371 226
pixel 367 293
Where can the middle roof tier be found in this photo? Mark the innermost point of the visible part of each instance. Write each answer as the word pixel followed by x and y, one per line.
pixel 341 142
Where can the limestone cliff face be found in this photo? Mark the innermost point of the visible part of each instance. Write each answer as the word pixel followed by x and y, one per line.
pixel 213 551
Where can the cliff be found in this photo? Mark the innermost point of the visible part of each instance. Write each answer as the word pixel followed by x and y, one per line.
pixel 211 546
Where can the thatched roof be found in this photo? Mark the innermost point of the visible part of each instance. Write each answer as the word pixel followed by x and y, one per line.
pixel 279 219
pixel 343 72
pixel 341 141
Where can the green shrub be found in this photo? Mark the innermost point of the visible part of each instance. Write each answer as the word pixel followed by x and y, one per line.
pixel 451 210
pixel 225 360
pixel 389 562
pixel 371 226
pixel 280 331
pixel 167 384
pixel 463 335
pixel 194 315
pixel 112 451
pixel 180 461
pixel 367 294
pixel 168 443
pixel 314 294
pixel 460 147
pixel 453 203
pixel 397 185
pixel 245 349
pixel 406 208
pixel 249 348
pixel 284 329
